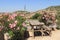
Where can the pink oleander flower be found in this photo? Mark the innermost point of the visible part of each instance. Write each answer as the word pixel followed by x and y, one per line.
pixel 18 28
pixel 24 24
pixel 9 24
pixel 12 25
pixel 11 17
pixel 1 27
pixel 8 19
pixel 15 21
pixel 14 15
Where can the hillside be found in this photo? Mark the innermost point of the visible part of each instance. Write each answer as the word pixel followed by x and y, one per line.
pixel 53 8
pixel 27 14
pixel 48 9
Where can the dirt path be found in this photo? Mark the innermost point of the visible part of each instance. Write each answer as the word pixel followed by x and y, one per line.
pixel 55 36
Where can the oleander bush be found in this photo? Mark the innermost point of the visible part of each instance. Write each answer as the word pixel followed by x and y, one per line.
pixel 12 24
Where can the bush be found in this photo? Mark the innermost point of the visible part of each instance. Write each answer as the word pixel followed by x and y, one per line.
pixel 36 16
pixel 58 18
pixel 12 23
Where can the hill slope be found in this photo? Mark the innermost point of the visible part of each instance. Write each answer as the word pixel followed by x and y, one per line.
pixel 54 8
pixel 48 9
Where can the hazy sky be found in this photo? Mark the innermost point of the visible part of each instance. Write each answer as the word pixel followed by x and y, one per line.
pixel 31 5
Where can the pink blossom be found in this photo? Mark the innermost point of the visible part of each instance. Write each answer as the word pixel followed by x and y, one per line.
pixel 12 25
pixel 8 19
pixel 18 28
pixel 23 24
pixel 16 21
pixel 14 15
pixel 11 17
pixel 1 27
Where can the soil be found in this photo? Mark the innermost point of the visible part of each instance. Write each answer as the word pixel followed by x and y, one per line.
pixel 55 36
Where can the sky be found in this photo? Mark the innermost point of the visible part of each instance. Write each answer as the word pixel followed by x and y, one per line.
pixel 31 5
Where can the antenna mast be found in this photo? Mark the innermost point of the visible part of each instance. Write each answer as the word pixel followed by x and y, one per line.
pixel 25 7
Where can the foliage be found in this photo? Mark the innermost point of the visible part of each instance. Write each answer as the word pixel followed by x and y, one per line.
pixel 58 18
pixel 12 23
pixel 58 15
pixel 36 16
pixel 53 8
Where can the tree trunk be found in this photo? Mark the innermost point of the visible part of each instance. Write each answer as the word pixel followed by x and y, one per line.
pixel 1 36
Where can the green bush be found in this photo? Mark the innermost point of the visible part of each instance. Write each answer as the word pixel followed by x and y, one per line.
pixel 36 16
pixel 58 18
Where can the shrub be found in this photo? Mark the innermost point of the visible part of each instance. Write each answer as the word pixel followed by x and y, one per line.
pixel 36 16
pixel 58 18
pixel 12 23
